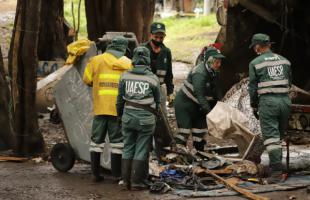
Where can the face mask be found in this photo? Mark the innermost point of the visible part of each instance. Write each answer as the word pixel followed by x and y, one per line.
pixel 157 43
pixel 256 49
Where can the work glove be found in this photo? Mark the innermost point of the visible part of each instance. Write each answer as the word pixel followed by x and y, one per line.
pixel 205 110
pixel 255 113
pixel 254 105
pixel 170 99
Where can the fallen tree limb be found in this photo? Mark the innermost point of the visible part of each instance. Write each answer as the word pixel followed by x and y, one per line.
pixel 245 192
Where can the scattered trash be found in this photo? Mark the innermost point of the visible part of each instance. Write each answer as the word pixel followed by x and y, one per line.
pixel 244 167
pixel 37 160
pixel 227 122
pixel 213 163
pixel 160 188
pixel 292 197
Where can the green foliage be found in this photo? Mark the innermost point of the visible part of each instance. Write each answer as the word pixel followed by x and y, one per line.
pixel 186 36
pixel 69 18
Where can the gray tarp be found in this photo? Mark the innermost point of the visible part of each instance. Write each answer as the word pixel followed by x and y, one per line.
pixel 292 183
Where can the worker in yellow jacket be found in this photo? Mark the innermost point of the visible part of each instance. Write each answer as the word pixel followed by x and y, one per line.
pixel 102 73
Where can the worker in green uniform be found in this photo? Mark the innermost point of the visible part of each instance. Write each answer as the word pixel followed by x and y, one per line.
pixel 138 102
pixel 196 98
pixel 102 73
pixel 270 80
pixel 161 62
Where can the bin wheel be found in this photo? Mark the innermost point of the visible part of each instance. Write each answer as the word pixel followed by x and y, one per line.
pixel 54 116
pixel 62 157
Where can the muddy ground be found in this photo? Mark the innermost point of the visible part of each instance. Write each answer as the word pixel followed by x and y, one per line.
pixel 40 181
pixel 37 179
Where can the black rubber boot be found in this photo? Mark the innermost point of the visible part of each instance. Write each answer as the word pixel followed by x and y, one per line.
pixel 276 174
pixel 200 146
pixel 126 172
pixel 95 166
pixel 139 175
pixel 116 165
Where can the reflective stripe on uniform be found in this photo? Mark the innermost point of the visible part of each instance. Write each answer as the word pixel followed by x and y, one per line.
pixel 116 151
pixel 188 94
pixel 119 145
pixel 180 137
pixel 273 147
pixel 272 90
pixel 191 87
pixel 161 72
pixel 109 76
pixel 101 145
pixel 272 83
pixel 184 130
pixel 271 141
pixel 187 84
pixel 197 139
pixel 272 63
pixel 131 76
pixel 96 147
pixel 112 92
pixel 132 107
pixel 88 75
pixel 197 130
pixel 146 101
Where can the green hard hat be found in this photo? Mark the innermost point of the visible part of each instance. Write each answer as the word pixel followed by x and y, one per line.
pixel 118 46
pixel 157 27
pixel 141 56
pixel 215 53
pixel 260 38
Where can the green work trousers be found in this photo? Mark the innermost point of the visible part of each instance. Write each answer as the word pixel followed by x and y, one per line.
pixel 103 125
pixel 137 127
pixel 274 111
pixel 190 119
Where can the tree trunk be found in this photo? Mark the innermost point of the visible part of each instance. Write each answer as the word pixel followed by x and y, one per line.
pixel 119 15
pixel 52 39
pixel 6 133
pixel 23 62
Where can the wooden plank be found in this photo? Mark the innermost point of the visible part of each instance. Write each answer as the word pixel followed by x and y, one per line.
pixel 199 170
pixel 245 192
pixel 10 158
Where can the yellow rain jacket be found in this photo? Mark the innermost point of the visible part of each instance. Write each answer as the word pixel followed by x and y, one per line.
pixel 103 73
